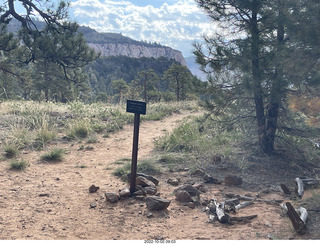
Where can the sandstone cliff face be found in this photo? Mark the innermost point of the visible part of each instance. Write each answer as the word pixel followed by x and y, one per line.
pixel 138 51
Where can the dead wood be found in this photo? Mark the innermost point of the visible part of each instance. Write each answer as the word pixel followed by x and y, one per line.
pixel 310 181
pixel 285 189
pixel 243 205
pixel 303 213
pixel 243 218
pixel 222 216
pixel 299 188
pixel 297 222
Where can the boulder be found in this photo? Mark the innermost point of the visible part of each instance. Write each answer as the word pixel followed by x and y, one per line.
pixel 144 182
pixel 112 197
pixel 149 177
pixel 150 190
pixel 232 180
pixel 183 196
pixel 157 203
pixel 190 189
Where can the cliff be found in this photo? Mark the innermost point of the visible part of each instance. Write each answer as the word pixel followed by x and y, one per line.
pixel 138 51
pixel 114 44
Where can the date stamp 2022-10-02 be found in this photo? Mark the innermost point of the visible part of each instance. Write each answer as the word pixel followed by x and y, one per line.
pixel 160 241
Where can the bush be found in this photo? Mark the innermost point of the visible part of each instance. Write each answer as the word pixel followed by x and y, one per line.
pixel 10 150
pixel 18 164
pixel 54 156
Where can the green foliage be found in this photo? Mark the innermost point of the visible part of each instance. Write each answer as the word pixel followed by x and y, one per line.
pixel 10 150
pixel 55 155
pixel 146 166
pixel 18 164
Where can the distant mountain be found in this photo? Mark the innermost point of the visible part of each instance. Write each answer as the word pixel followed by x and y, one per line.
pixel 113 44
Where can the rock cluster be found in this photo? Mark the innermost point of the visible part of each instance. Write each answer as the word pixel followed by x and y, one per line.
pixel 145 185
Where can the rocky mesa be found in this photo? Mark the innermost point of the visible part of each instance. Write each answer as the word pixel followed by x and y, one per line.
pixel 116 44
pixel 138 51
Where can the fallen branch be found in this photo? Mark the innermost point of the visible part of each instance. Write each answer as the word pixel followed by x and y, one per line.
pixel 243 218
pixel 285 189
pixel 297 222
pixel 310 181
pixel 299 189
pixel 222 217
pixel 301 210
pixel 243 205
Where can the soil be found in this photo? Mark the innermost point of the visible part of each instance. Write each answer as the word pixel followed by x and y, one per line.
pixel 51 201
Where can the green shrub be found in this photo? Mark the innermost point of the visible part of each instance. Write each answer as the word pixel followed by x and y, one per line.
pixel 10 150
pixel 19 164
pixel 54 155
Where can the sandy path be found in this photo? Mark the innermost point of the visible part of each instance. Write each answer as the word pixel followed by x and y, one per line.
pixel 52 201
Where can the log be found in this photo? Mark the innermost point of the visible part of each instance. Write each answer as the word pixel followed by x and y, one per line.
pixel 243 218
pixel 285 189
pixel 299 189
pixel 310 181
pixel 297 222
pixel 243 205
pixel 301 211
pixel 222 216
pixel 303 214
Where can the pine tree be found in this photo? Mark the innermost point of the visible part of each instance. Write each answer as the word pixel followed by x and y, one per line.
pixel 253 56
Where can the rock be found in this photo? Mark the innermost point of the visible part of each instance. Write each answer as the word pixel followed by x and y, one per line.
pixel 93 205
pixel 149 177
pixel 139 193
pixel 201 187
pixel 112 197
pixel 150 190
pixel 173 181
pixel 93 189
pixel 125 192
pixel 157 203
pixel 198 172
pixel 139 197
pixel 232 180
pixel 209 179
pixel 190 189
pixel 137 50
pixel 191 205
pixel 144 182
pixel 183 196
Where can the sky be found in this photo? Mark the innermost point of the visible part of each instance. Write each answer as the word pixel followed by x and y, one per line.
pixel 173 23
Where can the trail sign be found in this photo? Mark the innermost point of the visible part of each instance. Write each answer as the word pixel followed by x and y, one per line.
pixel 136 107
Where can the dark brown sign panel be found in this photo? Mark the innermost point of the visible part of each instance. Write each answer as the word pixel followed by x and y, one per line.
pixel 136 107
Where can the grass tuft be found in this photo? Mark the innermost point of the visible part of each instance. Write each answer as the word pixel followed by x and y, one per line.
pixel 55 155
pixel 18 164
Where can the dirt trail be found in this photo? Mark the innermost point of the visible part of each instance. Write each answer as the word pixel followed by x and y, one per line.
pixel 52 201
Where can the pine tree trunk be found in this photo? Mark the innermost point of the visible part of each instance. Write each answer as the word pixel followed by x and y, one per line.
pixel 277 87
pixel 256 74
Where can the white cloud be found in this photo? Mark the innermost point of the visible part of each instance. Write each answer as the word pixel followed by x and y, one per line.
pixel 173 23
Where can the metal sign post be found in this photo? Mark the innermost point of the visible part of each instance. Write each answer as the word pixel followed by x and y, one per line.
pixel 137 108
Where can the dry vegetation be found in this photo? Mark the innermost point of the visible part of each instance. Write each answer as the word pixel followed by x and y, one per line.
pixel 42 129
